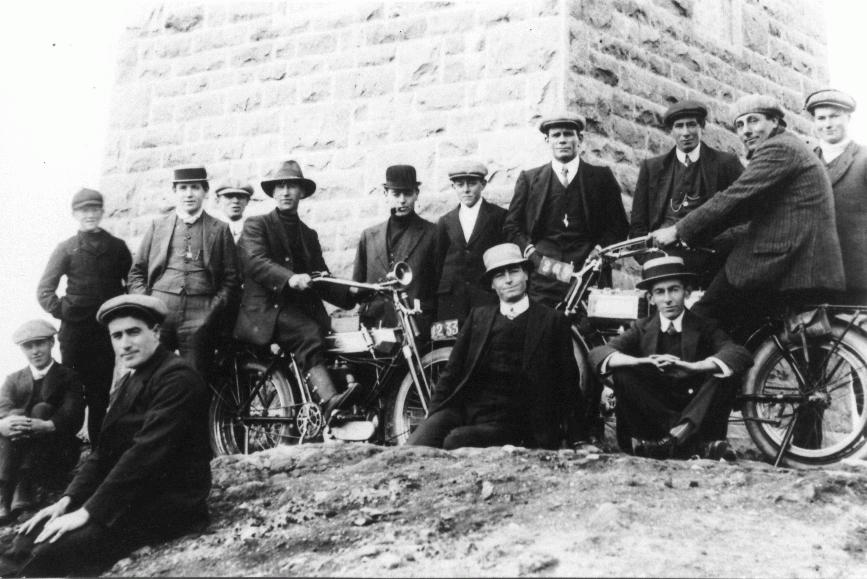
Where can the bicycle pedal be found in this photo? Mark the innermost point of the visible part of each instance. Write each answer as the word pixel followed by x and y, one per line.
pixel 356 430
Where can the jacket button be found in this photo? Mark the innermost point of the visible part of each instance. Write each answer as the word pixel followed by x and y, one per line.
pixel 285 259
pixel 275 305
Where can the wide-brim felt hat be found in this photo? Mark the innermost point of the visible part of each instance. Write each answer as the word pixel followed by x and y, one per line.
pixel 685 109
pixel 152 307
pixel 190 175
pixel 758 103
pixel 33 330
pixel 563 119
pixel 829 97
pixel 663 268
pixel 86 198
pixel 500 256
pixel 402 177
pixel 289 171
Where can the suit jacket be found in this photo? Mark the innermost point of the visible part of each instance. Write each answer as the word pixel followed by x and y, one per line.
pixel 153 454
pixel 848 174
pixel 701 338
pixel 459 262
pixel 61 388
pixel 92 276
pixel 603 207
pixel 791 240
pixel 218 253
pixel 552 397
pixel 372 265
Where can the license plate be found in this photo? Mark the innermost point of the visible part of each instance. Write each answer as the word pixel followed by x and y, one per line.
pixel 444 330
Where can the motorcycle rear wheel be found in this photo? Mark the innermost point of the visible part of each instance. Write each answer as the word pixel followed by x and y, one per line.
pixel 406 412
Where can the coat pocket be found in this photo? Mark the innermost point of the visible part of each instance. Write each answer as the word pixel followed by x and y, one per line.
pixel 771 247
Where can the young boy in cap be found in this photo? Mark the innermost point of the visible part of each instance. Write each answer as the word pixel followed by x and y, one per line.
pixel 188 260
pixel 232 199
pixel 463 236
pixel 671 371
pixel 404 236
pixel 148 478
pixel 846 162
pixel 95 264
pixel 41 410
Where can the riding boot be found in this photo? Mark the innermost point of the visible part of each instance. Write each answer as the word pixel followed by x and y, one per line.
pixel 5 513
pixel 329 398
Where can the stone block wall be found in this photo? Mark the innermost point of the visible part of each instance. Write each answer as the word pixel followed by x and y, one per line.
pixel 348 88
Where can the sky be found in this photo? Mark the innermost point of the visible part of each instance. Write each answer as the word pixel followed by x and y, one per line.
pixel 57 59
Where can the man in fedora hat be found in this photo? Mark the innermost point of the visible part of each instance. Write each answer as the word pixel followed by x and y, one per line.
pixel 672 371
pixel 789 251
pixel 41 410
pixel 463 236
pixel 404 236
pixel 148 478
pixel 511 377
pixel 846 162
pixel 232 198
pixel 672 185
pixel 96 265
pixel 563 209
pixel 188 260
pixel 279 303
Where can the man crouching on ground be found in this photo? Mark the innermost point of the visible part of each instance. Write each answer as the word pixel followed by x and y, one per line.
pixel 149 477
pixel 511 377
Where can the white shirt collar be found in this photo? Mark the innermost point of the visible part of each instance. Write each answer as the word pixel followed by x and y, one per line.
pixel 511 310
pixel 236 227
pixel 40 374
pixel 832 151
pixel 693 155
pixel 677 322
pixel 571 165
pixel 189 219
pixel 468 216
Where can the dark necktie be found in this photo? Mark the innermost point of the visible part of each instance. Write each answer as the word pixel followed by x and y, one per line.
pixel 671 331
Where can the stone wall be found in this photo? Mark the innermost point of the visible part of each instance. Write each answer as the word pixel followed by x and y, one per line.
pixel 347 88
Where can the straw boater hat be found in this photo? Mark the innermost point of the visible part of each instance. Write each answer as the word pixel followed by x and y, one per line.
pixel 500 256
pixel 662 268
pixel 829 98
pixel 289 171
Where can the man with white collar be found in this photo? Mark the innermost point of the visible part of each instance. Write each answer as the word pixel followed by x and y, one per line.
pixel 188 260
pixel 511 377
pixel 670 371
pixel 672 185
pixel 846 162
pixel 233 198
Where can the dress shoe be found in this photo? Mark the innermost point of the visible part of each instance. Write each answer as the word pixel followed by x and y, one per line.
pixel 335 402
pixel 719 450
pixel 659 449
pixel 24 498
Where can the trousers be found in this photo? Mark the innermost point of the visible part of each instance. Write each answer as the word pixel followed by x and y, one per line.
pixel 450 428
pixel 86 348
pixel 187 328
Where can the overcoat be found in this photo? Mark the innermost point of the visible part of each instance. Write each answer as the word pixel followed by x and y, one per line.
pixel 848 174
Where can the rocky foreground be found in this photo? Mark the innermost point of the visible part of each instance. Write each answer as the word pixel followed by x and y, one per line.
pixel 362 510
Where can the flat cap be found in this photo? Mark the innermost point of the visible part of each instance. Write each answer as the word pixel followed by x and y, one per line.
pixel 758 103
pixel 684 109
pixel 33 330
pixel 829 97
pixel 468 169
pixel 85 198
pixel 190 175
pixel 563 119
pixel 235 188
pixel 152 307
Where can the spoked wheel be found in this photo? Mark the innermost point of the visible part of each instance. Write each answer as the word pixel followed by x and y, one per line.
pixel 406 411
pixel 825 416
pixel 234 427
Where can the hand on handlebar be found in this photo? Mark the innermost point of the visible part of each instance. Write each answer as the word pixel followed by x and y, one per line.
pixel 361 294
pixel 299 281
pixel 665 236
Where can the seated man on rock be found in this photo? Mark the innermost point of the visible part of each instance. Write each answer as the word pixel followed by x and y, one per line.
pixel 148 478
pixel 41 410
pixel 511 377
pixel 673 372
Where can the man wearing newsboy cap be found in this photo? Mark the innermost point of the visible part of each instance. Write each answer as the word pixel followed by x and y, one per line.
pixel 846 162
pixel 564 208
pixel 672 185
pixel 232 199
pixel 188 260
pixel 96 265
pixel 789 252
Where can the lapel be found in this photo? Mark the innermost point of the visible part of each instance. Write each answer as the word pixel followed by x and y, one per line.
pixel 412 238
pixel 163 238
pixel 454 230
pixel 134 385
pixel 838 167
pixel 81 245
pixel 478 346
pixel 481 220
pixel 663 185
pixel 539 189
pixel 707 164
pixel 533 336
pixel 276 227
pixel 49 383
pixel 690 337
pixel 380 239
pixel 583 174
pixel 650 335
pixel 25 387
pixel 210 228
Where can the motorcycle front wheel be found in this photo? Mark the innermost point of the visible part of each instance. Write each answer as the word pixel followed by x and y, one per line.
pixel 406 411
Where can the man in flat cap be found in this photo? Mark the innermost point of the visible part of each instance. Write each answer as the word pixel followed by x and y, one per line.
pixel 463 236
pixel 846 162
pixel 406 237
pixel 232 198
pixel 564 208
pixel 672 185
pixel 148 478
pixel 41 410
pixel 95 264
pixel 789 252
pixel 279 252
pixel 511 375
pixel 189 261
pixel 674 372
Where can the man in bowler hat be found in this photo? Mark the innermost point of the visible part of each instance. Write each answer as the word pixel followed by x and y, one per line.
pixel 95 264
pixel 188 260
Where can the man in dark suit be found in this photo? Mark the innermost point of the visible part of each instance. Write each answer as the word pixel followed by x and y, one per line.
pixel 789 252
pixel 148 478
pixel 463 236
pixel 563 209
pixel 279 304
pixel 511 377
pixel 674 372
pixel 95 264
pixel 406 237
pixel 846 162
pixel 41 410
pixel 188 260
pixel 672 185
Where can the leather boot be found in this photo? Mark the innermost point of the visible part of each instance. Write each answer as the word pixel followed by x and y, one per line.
pixel 24 498
pixel 322 384
pixel 5 513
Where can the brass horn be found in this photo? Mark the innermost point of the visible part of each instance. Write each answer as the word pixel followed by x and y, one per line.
pixel 401 273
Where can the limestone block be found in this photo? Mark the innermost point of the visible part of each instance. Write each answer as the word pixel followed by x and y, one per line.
pixel 450 21
pixel 395 30
pixel 314 89
pixel 210 39
pixel 168 47
pixel 411 127
pixel 418 63
pixel 334 18
pixel 285 48
pixel 130 107
pixel 375 55
pixel 313 130
pixel 170 87
pixel 525 47
pixel 467 66
pixel 244 98
pixel 316 44
pixel 144 160
pixel 270 31
pixel 367 10
pixel 279 94
pixel 255 10
pixel 153 69
pixel 755 27
pixel 226 127
pixel 199 106
pixel 365 83
pixel 597 13
pixel 259 123
pixel 154 137
pixel 251 55
pixel 185 20
pixel 208 61
pixel 440 97
pixel 458 147
pixel 503 12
